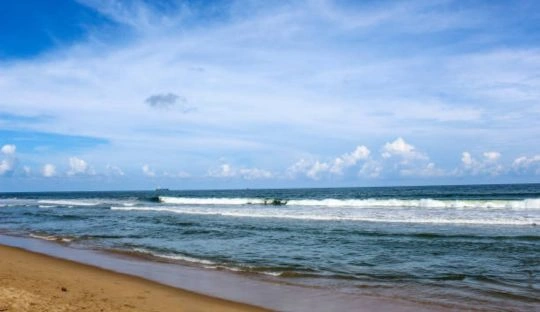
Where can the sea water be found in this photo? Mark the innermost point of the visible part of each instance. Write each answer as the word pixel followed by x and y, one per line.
pixel 465 247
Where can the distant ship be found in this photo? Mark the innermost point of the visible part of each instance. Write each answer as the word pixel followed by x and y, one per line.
pixel 159 189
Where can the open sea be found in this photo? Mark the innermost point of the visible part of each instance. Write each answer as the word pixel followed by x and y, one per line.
pixel 457 247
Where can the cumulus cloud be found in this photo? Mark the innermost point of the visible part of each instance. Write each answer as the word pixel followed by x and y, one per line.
pixel 402 149
pixel 228 171
pixel 526 164
pixel 48 170
pixel 466 159
pixel 301 166
pixel 9 149
pixel 147 171
pixel 492 156
pixel 489 164
pixel 224 171
pixel 314 169
pixel 7 165
pixel 79 166
pixel 347 160
pixel 411 161
pixel 371 169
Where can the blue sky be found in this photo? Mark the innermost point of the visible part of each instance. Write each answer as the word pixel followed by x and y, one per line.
pixel 99 94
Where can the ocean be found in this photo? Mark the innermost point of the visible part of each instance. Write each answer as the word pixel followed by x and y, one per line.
pixel 458 247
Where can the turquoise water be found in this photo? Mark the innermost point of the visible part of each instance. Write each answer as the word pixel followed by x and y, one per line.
pixel 457 246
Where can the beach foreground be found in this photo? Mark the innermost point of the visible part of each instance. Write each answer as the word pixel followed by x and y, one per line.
pixel 36 282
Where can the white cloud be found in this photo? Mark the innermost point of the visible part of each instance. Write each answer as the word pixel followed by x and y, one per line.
pixel 402 149
pixel 228 171
pixel 224 171
pixel 525 164
pixel 492 156
pixel 9 149
pixel 371 169
pixel 7 165
pixel 467 159
pixel 147 171
pixel 411 162
pixel 347 160
pixel 299 167
pixel 48 170
pixel 79 166
pixel 489 164
pixel 315 168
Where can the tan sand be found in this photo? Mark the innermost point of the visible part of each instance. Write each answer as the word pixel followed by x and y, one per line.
pixel 35 282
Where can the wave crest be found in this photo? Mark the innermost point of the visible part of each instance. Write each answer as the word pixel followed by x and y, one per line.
pixel 220 201
pixel 530 203
pixel 340 215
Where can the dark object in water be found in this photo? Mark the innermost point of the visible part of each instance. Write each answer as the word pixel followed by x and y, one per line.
pixel 154 199
pixel 275 202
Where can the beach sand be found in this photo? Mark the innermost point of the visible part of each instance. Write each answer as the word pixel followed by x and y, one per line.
pixel 36 282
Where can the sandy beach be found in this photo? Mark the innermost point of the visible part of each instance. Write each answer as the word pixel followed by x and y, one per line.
pixel 36 282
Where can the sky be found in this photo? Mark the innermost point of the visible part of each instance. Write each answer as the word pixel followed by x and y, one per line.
pixel 118 95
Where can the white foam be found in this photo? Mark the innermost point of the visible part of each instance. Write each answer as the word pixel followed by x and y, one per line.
pixel 70 202
pixel 272 273
pixel 531 203
pixel 212 201
pixel 11 202
pixel 237 269
pixel 480 217
pixel 51 238
pixel 420 203
pixel 175 257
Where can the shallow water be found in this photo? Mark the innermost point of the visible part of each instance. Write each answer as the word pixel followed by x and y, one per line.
pixel 456 246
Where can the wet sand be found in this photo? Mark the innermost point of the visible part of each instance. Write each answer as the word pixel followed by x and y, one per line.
pixel 36 282
pixel 33 272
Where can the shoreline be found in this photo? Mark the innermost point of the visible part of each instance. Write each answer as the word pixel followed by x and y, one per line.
pixel 215 290
pixel 34 281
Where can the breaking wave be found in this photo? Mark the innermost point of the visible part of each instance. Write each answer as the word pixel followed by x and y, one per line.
pixel 176 257
pixel 51 238
pixel 530 203
pixel 340 215
pixel 71 202
pixel 220 201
